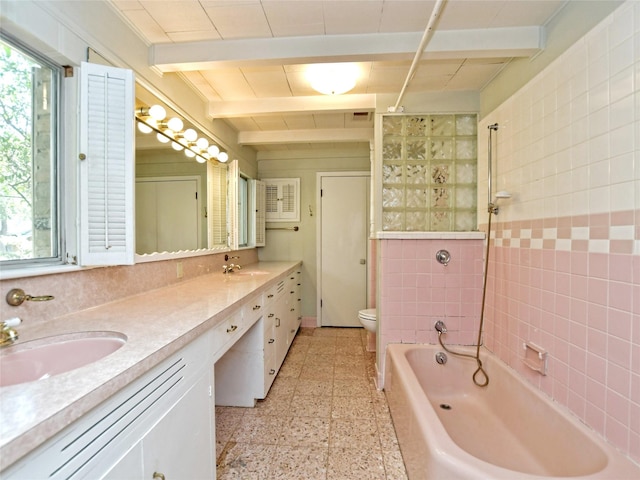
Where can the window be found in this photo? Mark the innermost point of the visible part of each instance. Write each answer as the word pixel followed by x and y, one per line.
pixel 282 199
pixel 29 104
pixel 429 172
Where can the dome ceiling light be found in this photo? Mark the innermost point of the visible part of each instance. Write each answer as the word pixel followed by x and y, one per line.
pixel 333 78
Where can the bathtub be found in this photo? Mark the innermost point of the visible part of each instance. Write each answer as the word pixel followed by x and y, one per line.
pixel 449 428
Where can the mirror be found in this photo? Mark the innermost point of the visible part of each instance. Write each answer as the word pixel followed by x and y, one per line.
pixel 171 193
pixel 174 211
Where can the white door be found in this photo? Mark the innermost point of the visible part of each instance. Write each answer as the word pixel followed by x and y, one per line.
pixel 344 213
pixel 167 214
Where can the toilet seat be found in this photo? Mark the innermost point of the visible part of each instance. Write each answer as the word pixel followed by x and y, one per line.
pixel 368 314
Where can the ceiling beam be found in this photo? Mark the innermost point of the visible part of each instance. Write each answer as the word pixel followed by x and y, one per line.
pixel 471 43
pixel 291 105
pixel 328 135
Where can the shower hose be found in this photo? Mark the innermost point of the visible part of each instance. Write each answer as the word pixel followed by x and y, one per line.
pixel 480 376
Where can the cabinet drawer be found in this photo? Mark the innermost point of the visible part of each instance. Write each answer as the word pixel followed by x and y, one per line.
pixel 227 332
pixel 252 310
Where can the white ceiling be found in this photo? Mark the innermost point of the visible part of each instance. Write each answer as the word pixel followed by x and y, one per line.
pixel 248 57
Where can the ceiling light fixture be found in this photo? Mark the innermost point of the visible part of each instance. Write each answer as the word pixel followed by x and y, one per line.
pixel 151 119
pixel 333 78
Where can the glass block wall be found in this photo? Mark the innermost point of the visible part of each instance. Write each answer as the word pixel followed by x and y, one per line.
pixel 429 172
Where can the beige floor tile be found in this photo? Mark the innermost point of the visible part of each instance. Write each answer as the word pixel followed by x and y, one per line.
pixel 394 465
pixel 323 387
pixel 325 332
pixel 283 386
pixel 299 462
pixel 271 406
pixel 352 407
pixel 319 359
pixel 311 406
pixel 347 433
pixel 258 429
pixel 322 349
pixel 351 387
pixel 323 419
pixel 317 372
pixel 226 423
pixel 307 431
pixel 355 464
pixel 245 461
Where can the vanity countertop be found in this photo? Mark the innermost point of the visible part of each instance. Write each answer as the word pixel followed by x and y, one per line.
pixel 157 324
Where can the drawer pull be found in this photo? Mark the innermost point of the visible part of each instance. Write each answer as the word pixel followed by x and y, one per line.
pixel 292 310
pixel 277 322
pixel 256 307
pixel 232 328
pixel 271 340
pixel 272 372
pixel 271 315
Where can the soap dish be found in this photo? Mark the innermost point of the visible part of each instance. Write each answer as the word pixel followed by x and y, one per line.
pixel 535 357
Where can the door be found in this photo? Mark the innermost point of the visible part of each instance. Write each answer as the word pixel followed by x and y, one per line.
pixel 344 214
pixel 167 214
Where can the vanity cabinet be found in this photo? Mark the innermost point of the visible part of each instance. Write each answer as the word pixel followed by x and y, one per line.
pixel 247 371
pixel 163 422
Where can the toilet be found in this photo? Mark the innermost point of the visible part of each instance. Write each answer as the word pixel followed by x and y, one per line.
pixel 368 319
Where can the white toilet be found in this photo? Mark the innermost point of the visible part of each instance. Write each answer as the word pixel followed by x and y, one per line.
pixel 368 319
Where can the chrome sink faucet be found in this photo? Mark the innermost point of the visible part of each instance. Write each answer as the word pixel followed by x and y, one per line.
pixel 8 333
pixel 229 268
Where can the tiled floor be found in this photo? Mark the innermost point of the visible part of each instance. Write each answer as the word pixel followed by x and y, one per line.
pixel 322 420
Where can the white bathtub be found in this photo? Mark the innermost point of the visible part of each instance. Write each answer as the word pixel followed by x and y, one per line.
pixel 507 430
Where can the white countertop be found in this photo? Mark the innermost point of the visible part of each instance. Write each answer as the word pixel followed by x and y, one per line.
pixel 156 323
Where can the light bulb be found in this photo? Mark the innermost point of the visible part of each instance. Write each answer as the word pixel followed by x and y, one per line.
pixel 190 135
pixel 202 143
pixel 189 153
pixel 175 124
pixel 144 128
pixel 161 138
pixel 200 159
pixel 213 150
pixel 158 112
pixel 223 157
pixel 176 146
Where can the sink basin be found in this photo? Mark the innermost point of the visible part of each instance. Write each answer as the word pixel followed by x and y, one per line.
pixel 46 357
pixel 251 272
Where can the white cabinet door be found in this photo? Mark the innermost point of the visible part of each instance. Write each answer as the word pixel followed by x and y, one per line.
pixel 128 467
pixel 180 445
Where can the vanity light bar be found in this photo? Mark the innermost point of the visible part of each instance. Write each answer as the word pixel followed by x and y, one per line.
pixel 165 135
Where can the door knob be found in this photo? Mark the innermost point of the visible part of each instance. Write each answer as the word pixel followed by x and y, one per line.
pixel 363 261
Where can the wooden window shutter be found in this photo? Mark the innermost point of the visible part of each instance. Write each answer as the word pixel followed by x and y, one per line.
pixel 232 190
pixel 217 204
pixel 107 166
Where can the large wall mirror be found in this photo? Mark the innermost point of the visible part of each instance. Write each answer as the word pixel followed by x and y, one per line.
pixel 180 200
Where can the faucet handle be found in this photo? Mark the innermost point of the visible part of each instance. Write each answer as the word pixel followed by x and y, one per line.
pixel 11 322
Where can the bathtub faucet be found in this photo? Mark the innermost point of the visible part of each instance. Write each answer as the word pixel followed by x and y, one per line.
pixel 440 327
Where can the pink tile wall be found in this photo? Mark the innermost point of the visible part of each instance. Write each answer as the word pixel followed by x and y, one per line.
pixel 566 259
pixel 416 291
